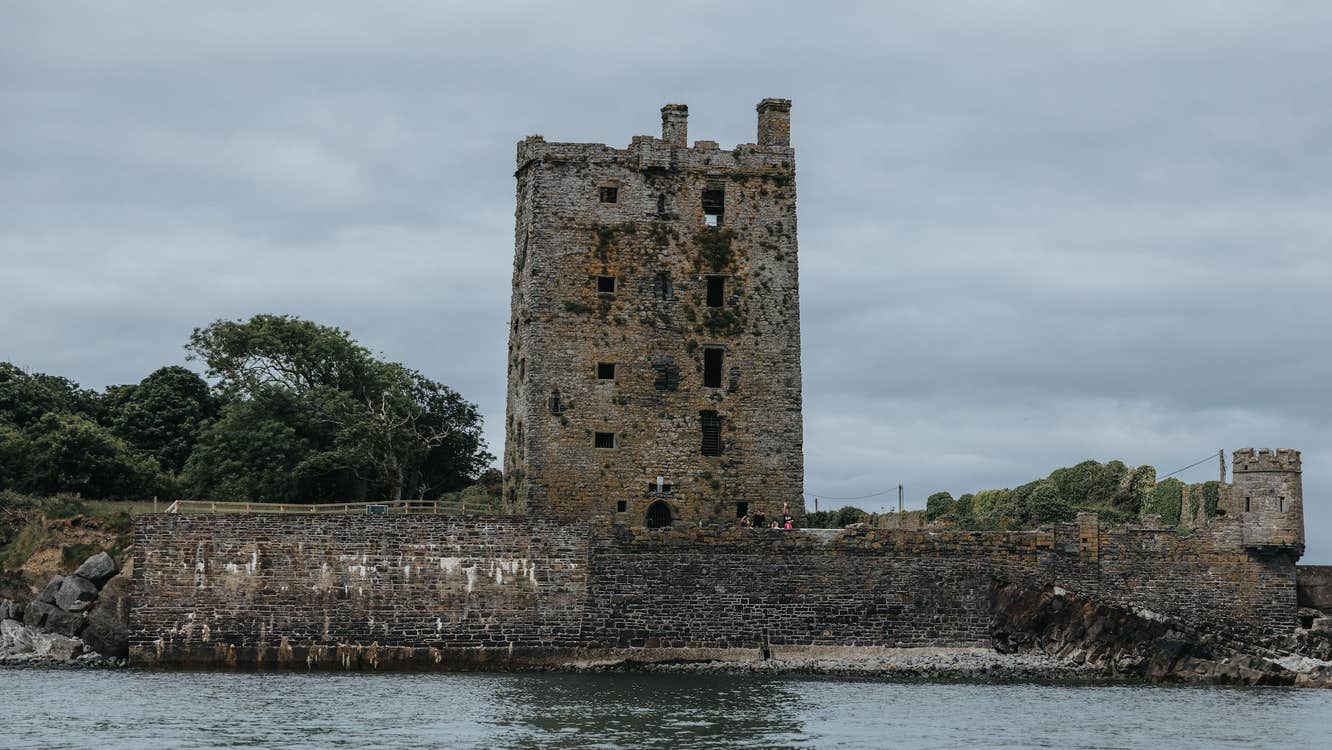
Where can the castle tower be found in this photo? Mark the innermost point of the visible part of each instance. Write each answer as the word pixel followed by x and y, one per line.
pixel 654 343
pixel 1268 497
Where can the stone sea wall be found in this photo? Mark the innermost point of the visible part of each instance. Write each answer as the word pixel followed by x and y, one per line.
pixel 426 591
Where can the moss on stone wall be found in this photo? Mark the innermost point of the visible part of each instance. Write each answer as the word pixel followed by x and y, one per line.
pixel 1166 500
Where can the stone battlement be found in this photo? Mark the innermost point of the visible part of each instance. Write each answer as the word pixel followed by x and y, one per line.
pixel 1266 459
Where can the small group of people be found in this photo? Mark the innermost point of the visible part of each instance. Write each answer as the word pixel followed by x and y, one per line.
pixel 759 520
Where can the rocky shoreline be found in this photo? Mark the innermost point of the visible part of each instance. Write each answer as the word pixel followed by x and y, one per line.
pixel 969 664
pixel 78 620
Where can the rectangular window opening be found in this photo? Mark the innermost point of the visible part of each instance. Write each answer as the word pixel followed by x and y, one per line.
pixel 604 440
pixel 1246 505
pixel 605 371
pixel 716 291
pixel 1281 504
pixel 621 506
pixel 714 205
pixel 741 509
pixel 606 285
pixel 609 194
pixel 712 367
pixel 710 423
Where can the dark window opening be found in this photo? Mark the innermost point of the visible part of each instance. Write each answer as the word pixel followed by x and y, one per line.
pixel 606 285
pixel 556 405
pixel 605 371
pixel 658 515
pixel 716 291
pixel 1306 621
pixel 741 509
pixel 609 194
pixel 661 203
pixel 711 427
pixel 604 440
pixel 661 285
pixel 712 367
pixel 621 506
pixel 1246 505
pixel 1281 504
pixel 714 203
pixel 668 376
pixel 522 370
pixel 665 488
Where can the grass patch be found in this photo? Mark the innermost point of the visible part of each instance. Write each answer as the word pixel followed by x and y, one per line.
pixel 24 544
pixel 73 555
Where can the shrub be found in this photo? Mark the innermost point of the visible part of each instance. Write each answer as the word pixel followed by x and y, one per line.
pixel 939 505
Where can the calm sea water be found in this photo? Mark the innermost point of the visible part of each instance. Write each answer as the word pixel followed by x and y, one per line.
pixel 130 709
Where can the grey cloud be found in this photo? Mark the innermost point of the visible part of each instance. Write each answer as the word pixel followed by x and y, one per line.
pixel 1031 233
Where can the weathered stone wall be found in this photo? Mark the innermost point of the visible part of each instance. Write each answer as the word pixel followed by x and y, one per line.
pixel 1315 587
pixel 613 256
pixel 352 591
pixel 1268 494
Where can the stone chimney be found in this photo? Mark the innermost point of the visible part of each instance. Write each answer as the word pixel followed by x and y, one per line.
pixel 675 124
pixel 774 123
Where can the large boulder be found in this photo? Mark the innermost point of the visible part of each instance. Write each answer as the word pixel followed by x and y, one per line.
pixel 41 615
pixel 56 646
pixel 107 631
pixel 99 569
pixel 14 637
pixel 11 610
pixel 76 594
pixel 48 594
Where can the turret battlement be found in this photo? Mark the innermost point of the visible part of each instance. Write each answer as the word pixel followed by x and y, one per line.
pixel 1266 459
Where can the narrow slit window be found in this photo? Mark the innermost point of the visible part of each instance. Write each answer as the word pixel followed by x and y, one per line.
pixel 556 405
pixel 609 194
pixel 714 204
pixel 712 367
pixel 661 203
pixel 1281 504
pixel 605 371
pixel 606 285
pixel 716 291
pixel 522 370
pixel 710 424
pixel 604 440
pixel 1246 505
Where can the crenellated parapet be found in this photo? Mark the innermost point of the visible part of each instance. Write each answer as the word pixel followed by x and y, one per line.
pixel 1266 459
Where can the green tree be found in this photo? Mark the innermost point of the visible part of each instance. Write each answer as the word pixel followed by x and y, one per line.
pixel 71 453
pixel 162 414
pixel 26 397
pixel 258 449
pixel 939 505
pixel 347 413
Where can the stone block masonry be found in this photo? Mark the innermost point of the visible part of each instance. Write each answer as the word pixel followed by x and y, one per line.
pixel 355 592
pixel 654 345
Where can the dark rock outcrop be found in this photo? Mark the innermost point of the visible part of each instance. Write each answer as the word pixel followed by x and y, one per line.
pixel 76 594
pixel 1128 643
pixel 99 569
pixel 48 594
pixel 107 629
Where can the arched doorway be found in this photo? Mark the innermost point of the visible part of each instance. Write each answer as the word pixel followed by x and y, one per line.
pixel 658 515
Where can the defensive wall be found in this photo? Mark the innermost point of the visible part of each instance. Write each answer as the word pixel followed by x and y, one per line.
pixel 351 592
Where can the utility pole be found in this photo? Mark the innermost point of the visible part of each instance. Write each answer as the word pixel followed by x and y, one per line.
pixel 899 498
pixel 816 505
pixel 1221 460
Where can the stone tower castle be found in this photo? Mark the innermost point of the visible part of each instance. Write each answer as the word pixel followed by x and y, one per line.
pixel 1268 496
pixel 654 342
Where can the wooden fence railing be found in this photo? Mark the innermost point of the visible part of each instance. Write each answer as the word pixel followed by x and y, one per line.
pixel 395 507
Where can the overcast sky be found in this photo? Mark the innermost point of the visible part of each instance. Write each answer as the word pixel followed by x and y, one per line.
pixel 1031 233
